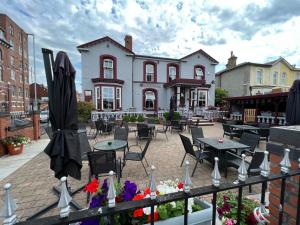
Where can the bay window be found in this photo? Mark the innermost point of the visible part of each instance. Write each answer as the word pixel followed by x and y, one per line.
pixel 108 98
pixel 118 98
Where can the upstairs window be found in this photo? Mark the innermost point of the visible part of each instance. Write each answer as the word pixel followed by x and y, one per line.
pixel 11 42
pixel 1 73
pixel 172 73
pixel 149 73
pixel 11 30
pixel 13 90
pixel 13 75
pixel 275 78
pixel 108 66
pixel 20 92
pixel 259 76
pixel 283 79
pixel 1 34
pixel 199 72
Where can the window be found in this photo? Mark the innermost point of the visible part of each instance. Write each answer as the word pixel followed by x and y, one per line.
pixel 13 90
pixel 199 72
pixel 259 77
pixel 20 50
pixel 13 75
pixel 20 37
pixel 107 98
pixel 97 97
pixel 150 73
pixel 108 67
pixel 1 34
pixel 297 76
pixel 172 73
pixel 11 42
pixel 12 60
pixel 283 79
pixel 202 100
pixel 275 78
pixel 1 73
pixel 20 92
pixel 11 30
pixel 1 56
pixel 149 100
pixel 21 78
pixel 118 98
pixel 26 93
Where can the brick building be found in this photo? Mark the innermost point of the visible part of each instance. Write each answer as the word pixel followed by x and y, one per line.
pixel 14 75
pixel 41 95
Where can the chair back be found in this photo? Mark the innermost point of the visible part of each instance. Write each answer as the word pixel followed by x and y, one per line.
pixel 226 128
pixel 264 132
pixel 121 134
pixel 197 132
pixel 146 148
pixel 143 131
pixel 99 124
pixel 175 123
pixel 256 161
pixel 249 139
pixel 188 147
pixel 101 162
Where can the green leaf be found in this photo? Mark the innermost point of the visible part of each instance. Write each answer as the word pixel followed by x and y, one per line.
pixel 163 213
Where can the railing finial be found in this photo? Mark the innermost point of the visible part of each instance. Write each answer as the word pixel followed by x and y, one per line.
pixel 64 199
pixel 9 209
pixel 187 179
pixel 265 165
pixel 111 195
pixel 216 177
pixel 285 163
pixel 242 170
pixel 152 184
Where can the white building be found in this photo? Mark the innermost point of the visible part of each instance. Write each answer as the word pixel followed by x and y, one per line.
pixel 117 79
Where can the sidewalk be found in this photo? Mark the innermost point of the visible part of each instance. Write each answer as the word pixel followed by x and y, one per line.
pixel 9 164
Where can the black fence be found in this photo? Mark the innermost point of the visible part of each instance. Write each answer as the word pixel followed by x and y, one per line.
pixel 195 192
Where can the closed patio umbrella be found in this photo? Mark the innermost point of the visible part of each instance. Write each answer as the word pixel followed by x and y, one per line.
pixel 293 104
pixel 172 108
pixel 63 148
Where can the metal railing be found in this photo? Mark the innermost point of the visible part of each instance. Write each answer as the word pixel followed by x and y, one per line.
pixel 67 217
pixel 119 114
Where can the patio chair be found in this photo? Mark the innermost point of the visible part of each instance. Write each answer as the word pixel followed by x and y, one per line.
pixel 249 139
pixel 189 150
pixel 197 132
pixel 264 131
pixel 92 126
pixel 162 131
pixel 100 163
pixel 228 131
pixel 143 132
pixel 139 156
pixel 129 130
pixel 175 125
pixel 121 134
pixel 234 161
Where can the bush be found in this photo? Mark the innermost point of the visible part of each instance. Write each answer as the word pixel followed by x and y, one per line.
pixel 140 119
pixel 84 110
pixel 176 116
pixel 126 118
pixel 132 119
pixel 220 94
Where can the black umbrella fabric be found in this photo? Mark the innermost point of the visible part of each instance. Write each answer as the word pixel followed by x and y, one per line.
pixel 172 108
pixel 293 105
pixel 63 148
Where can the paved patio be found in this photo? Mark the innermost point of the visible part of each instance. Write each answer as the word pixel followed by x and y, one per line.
pixel 33 182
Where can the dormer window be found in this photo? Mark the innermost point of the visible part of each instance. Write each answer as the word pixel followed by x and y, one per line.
pixel 199 72
pixel 150 72
pixel 108 66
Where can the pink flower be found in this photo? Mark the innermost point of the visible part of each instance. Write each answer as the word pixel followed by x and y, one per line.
pixel 229 222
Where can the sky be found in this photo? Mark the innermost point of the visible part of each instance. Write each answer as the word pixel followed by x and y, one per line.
pixel 255 30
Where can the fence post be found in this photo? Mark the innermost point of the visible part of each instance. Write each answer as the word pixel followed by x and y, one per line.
pixel 64 199
pixel 9 208
pixel 215 175
pixel 285 163
pixel 187 179
pixel 265 165
pixel 111 195
pixel 242 169
pixel 152 184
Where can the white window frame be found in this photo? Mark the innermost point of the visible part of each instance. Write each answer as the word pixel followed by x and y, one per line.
pixel 259 80
pixel 118 98
pixel 198 68
pixel 149 72
pixel 113 96
pixel 283 78
pixel 205 92
pixel 153 100
pixel 97 96
pixel 275 78
pixel 108 68
pixel 172 76
pixel 12 74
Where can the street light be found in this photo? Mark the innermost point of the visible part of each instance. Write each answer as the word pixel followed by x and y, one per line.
pixel 34 74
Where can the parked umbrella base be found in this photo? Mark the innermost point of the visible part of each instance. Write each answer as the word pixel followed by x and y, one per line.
pixel 56 191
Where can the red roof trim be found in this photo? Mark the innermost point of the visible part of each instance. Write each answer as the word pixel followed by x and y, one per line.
pixel 116 81
pixel 100 40
pixel 195 82
pixel 271 95
pixel 203 53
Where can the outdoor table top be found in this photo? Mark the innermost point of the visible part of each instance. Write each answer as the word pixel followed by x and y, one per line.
pixel 151 126
pixel 226 145
pixel 115 145
pixel 244 127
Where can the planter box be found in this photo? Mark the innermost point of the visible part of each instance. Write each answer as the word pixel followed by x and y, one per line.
pixel 3 149
pixel 203 217
pixel 14 150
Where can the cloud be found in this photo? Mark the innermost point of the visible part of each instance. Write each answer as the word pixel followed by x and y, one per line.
pixel 255 30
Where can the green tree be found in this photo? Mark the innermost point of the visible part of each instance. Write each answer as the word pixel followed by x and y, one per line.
pixel 220 94
pixel 84 110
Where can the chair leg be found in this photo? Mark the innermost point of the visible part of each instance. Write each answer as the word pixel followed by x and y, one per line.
pixel 183 159
pixel 146 161
pixel 144 167
pixel 195 168
pixel 250 188
pixel 166 136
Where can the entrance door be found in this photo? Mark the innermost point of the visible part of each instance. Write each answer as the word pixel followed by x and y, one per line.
pixel 193 96
pixel 202 98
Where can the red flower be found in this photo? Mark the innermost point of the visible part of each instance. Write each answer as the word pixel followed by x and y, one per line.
pixel 180 185
pixel 138 197
pixel 138 213
pixel 118 199
pixel 155 217
pixel 92 187
pixel 147 191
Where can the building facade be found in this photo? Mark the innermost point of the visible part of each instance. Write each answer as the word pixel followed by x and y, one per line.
pixel 14 75
pixel 117 79
pixel 256 78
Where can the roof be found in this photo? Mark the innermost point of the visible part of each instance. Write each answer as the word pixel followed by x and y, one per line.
pixel 249 97
pixel 267 64
pixel 157 57
pixel 100 40
pixel 203 53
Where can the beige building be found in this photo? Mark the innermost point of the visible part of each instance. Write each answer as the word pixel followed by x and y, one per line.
pixel 256 78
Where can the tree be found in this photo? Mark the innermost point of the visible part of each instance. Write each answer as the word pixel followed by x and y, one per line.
pixel 84 110
pixel 220 94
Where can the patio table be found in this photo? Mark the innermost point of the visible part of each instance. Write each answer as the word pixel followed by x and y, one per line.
pixel 114 146
pixel 221 148
pixel 245 127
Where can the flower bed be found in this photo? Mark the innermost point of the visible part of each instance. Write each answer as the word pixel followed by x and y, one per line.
pixel 169 213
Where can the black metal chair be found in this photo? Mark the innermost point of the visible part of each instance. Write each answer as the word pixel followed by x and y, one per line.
pixel 143 132
pixel 162 131
pixel 264 131
pixel 101 163
pixel 189 150
pixel 228 131
pixel 129 130
pixel 249 139
pixel 139 156
pixel 197 132
pixel 121 134
pixel 175 125
pixel 234 161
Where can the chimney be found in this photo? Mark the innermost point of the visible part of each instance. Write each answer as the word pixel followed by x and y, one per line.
pixel 128 42
pixel 231 61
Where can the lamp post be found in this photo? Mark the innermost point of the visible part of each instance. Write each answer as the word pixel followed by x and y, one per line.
pixel 34 73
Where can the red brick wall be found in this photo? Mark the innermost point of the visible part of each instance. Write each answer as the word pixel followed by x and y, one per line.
pixel 291 194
